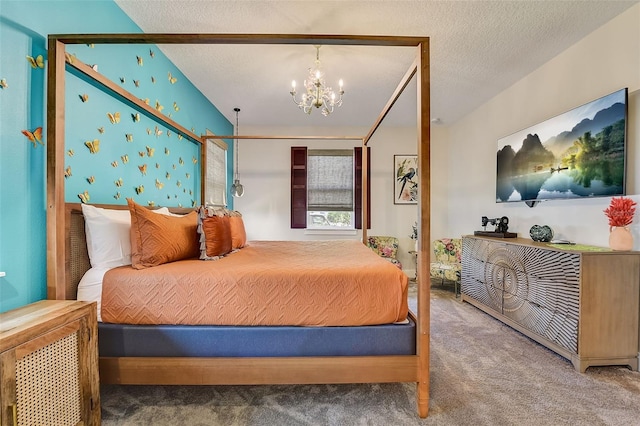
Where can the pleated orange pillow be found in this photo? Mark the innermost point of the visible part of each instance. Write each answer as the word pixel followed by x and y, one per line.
pixel 158 239
pixel 217 237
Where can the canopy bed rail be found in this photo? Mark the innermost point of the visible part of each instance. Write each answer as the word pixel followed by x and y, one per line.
pixel 64 270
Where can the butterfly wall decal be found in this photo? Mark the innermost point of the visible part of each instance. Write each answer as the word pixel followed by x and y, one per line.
pixel 194 160
pixel 94 67
pixel 37 62
pixel 122 80
pixel 168 133
pixel 179 137
pixel 91 45
pixel 151 203
pixel 152 53
pixel 125 158
pixel 188 175
pixel 94 146
pixel 70 153
pixel 178 184
pixel 67 172
pixel 146 101
pixel 117 196
pixel 158 131
pixel 114 163
pixel 35 136
pixel 3 83
pixel 139 59
pixel 101 130
pixel 135 117
pixel 136 83
pixel 70 57
pixel 119 182
pixel 128 137
pixel 168 175
pixel 142 153
pixel 159 184
pixel 91 179
pixel 143 169
pixel 150 151
pixel 176 107
pixel 84 197
pixel 153 79
pixel 84 97
pixel 166 151
pixel 172 79
pixel 139 189
pixel 114 118
pixel 159 107
pixel 181 161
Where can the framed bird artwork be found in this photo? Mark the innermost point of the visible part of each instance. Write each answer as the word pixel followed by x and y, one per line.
pixel 405 179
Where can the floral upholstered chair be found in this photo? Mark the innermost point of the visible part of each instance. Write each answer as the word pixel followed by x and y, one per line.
pixel 387 247
pixel 446 263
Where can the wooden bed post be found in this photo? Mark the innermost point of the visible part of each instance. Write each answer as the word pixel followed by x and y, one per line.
pixel 365 186
pixel 424 234
pixel 55 164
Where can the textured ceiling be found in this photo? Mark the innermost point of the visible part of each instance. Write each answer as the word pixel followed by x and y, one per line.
pixel 478 48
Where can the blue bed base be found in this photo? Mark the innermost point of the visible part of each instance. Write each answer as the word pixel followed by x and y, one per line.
pixel 121 340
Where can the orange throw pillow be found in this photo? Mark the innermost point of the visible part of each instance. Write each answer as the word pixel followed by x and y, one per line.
pixel 217 233
pixel 238 233
pixel 158 239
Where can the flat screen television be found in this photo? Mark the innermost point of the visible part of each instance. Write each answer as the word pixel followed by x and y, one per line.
pixel 580 153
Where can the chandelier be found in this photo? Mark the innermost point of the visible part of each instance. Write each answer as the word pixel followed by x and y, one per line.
pixel 316 93
pixel 237 190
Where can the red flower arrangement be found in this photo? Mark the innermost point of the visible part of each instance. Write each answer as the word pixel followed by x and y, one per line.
pixel 621 211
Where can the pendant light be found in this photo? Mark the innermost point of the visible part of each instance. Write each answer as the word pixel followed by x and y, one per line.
pixel 237 190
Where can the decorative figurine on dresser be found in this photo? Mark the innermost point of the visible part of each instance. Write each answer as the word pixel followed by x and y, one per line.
pixel 501 225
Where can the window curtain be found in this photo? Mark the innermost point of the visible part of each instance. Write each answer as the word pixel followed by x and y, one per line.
pixel 216 179
pixel 330 180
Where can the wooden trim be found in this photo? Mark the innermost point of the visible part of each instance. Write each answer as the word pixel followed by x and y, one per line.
pixel 243 371
pixel 46 339
pixel 182 38
pixel 346 138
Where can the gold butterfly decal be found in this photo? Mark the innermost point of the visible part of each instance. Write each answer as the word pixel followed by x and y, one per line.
pixel 146 101
pixel 139 59
pixel 166 151
pixel 148 131
pixel 157 165
pixel 190 192
pixel 178 184
pixel 151 203
pixel 168 133
pixel 128 137
pixel 101 130
pixel 181 161
pixel 176 107
pixel 35 137
pixel 71 58
pixel 67 172
pixel 179 137
pixel 117 196
pixel 150 151
pixel 114 163
pixel 139 189
pixel 143 169
pixel 84 197
pixel 152 53
pixel 136 83
pixel 142 153
pixel 122 80
pixel 172 79
pixel 91 45
pixel 174 166
pixel 119 182
pixel 114 118
pixel 135 117
pixel 168 175
pixel 194 160
pixel 91 179
pixel 179 204
pixel 169 115
pixel 184 190
pixel 168 197
pixel 3 83
pixel 159 184
pixel 153 79
pixel 188 175
pixel 94 146
pixel 125 158
pixel 37 62
pixel 94 67
pixel 158 131
pixel 84 97
pixel 158 106
pixel 70 153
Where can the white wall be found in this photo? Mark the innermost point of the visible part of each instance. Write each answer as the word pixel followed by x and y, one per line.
pixel 265 174
pixel 606 60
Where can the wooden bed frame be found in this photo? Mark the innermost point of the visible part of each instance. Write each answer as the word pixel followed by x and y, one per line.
pixel 63 268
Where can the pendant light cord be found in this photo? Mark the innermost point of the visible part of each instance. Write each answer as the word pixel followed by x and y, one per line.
pixel 237 110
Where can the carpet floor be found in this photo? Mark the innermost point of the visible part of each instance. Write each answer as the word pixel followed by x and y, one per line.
pixel 482 373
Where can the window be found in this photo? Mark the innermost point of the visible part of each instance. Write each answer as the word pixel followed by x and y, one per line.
pixel 215 183
pixel 326 188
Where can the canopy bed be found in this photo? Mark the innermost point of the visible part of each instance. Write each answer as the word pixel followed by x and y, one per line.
pixel 319 355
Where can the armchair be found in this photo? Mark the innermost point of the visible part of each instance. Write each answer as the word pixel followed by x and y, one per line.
pixel 386 247
pixel 446 263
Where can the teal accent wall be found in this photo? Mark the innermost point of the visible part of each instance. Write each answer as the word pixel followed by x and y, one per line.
pixel 24 27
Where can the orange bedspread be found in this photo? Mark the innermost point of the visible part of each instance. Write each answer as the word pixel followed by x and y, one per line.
pixel 302 283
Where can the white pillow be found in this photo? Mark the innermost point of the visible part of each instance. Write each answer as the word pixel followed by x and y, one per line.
pixel 108 235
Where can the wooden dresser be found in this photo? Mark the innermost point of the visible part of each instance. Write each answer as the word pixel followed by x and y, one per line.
pixel 49 364
pixel 582 304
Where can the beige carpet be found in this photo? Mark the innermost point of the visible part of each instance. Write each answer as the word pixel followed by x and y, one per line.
pixel 482 373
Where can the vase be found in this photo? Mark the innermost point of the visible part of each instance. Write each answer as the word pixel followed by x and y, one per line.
pixel 620 238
